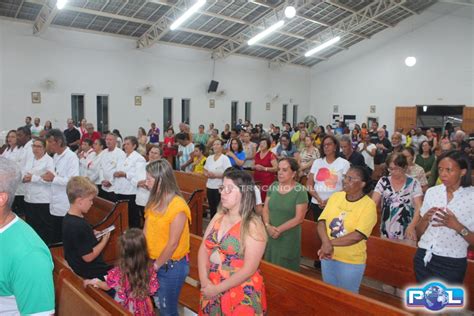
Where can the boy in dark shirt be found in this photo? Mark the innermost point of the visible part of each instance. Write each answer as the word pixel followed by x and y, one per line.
pixel 82 250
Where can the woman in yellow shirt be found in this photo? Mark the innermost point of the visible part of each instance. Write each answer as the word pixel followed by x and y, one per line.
pixel 344 226
pixel 167 218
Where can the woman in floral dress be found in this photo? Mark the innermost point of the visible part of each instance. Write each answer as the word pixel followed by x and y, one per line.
pixel 231 251
pixel 400 197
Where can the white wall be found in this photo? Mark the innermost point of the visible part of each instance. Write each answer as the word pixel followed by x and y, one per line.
pixel 373 72
pixel 99 64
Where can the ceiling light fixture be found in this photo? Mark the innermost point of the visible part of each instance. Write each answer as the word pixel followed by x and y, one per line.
pixel 410 61
pixel 187 14
pixel 322 46
pixel 290 12
pixel 60 4
pixel 266 32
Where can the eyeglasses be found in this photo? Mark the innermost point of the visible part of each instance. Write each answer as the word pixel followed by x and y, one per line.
pixel 328 144
pixel 351 179
pixel 228 189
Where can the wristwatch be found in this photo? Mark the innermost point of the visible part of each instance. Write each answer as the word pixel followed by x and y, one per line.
pixel 464 232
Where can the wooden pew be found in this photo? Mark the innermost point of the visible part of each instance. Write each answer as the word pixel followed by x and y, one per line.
pixel 103 214
pixel 388 261
pixel 193 189
pixel 99 296
pixel 290 293
pixel 72 299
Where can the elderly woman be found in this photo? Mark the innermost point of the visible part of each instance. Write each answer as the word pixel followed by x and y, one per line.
pixel 397 146
pixel 343 227
pixel 125 185
pixel 400 197
pixel 447 225
pixel 214 168
pixel 283 213
pixel 37 192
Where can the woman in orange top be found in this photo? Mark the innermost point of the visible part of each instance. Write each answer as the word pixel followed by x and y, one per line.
pixel 167 218
pixel 230 253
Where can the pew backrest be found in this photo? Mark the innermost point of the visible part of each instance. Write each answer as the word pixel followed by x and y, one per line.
pixel 291 293
pixel 388 261
pixel 72 299
pixel 103 214
pixel 99 296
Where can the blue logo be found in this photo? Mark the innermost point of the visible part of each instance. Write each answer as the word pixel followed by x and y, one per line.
pixel 435 296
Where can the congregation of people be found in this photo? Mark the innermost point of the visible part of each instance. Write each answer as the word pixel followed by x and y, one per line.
pixel 261 185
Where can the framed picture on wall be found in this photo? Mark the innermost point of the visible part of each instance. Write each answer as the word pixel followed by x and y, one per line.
pixel 212 103
pixel 138 100
pixel 35 97
pixel 371 119
pixel 267 106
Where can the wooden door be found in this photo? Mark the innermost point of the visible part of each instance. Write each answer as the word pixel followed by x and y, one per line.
pixel 405 117
pixel 468 119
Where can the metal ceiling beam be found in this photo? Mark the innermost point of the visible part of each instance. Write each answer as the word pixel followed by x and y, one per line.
pixel 19 8
pixel 45 17
pixel 409 10
pixel 344 7
pixel 161 27
pixel 357 19
pixel 237 42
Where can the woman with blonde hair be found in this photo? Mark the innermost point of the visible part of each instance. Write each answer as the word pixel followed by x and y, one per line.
pixel 231 251
pixel 167 218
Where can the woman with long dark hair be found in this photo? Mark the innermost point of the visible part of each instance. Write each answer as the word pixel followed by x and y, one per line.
pixel 231 251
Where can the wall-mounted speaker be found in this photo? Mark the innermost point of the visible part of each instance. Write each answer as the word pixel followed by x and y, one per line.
pixel 213 86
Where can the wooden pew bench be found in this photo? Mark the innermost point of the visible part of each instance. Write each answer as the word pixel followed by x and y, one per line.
pixel 193 189
pixel 290 293
pixel 103 214
pixel 389 262
pixel 72 299
pixel 61 267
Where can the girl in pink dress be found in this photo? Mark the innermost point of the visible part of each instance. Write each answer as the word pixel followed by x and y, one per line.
pixel 134 279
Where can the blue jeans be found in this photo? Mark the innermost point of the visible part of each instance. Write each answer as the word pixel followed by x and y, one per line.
pixel 171 277
pixel 344 275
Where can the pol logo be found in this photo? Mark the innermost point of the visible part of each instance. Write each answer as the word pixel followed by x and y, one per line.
pixel 435 296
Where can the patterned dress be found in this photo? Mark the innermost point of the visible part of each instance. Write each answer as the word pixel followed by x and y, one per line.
pixel 398 207
pixel 247 298
pixel 139 307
